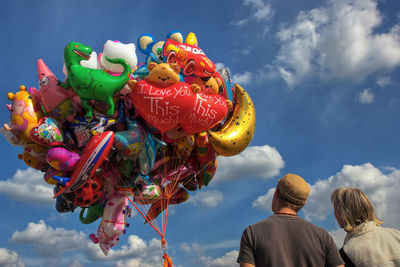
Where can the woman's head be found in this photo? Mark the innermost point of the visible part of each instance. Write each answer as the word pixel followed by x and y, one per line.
pixel 352 207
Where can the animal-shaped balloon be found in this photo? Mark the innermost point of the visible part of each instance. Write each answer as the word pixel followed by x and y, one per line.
pixel 93 213
pixel 55 100
pixel 153 50
pixel 34 156
pixel 115 50
pixel 113 224
pixel 207 85
pixel 25 113
pixel 92 84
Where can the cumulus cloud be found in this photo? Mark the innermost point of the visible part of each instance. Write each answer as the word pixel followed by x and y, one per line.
pixel 192 248
pixel 381 186
pixel 264 202
pixel 9 258
pixel 144 252
pixel 220 65
pixel 338 236
pixel 243 78
pixel 256 161
pixel 383 81
pixel 201 259
pixel 337 41
pixel 365 97
pixel 28 186
pixel 260 12
pixel 76 263
pixel 378 186
pixel 52 243
pixel 207 199
pixel 229 259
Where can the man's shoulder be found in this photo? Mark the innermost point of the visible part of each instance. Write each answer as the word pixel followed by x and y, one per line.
pixel 287 221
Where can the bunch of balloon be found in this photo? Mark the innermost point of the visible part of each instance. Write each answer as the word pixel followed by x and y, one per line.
pixel 116 134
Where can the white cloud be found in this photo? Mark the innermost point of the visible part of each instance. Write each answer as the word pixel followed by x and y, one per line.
pixel 264 202
pixel 28 186
pixel 193 248
pixel 384 81
pixel 220 65
pixel 229 259
pixel 9 258
pixel 52 243
pixel 210 198
pixel 76 263
pixel 366 97
pixel 48 241
pixel 243 78
pixel 378 186
pixel 201 248
pixel 260 13
pixel 338 236
pixel 137 248
pixel 337 41
pixel 381 188
pixel 258 161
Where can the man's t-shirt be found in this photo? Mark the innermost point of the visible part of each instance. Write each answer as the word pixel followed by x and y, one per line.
pixel 284 240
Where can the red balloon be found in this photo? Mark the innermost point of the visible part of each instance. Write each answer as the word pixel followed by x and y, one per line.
pixel 209 110
pixel 177 105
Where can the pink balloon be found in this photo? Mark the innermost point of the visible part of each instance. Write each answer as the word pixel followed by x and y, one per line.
pixel 62 159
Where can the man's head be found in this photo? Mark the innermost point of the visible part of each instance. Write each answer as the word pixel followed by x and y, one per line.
pixel 291 192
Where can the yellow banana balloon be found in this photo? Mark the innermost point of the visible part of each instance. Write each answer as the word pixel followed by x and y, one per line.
pixel 238 130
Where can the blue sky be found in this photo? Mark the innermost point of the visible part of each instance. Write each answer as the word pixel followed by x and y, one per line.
pixel 324 77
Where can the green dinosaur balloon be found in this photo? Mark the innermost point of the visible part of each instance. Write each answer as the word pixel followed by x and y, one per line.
pixel 94 212
pixel 92 83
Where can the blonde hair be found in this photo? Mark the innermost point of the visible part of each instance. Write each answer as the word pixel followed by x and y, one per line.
pixel 353 207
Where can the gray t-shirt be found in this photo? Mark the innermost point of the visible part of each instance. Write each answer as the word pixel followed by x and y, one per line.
pixel 284 240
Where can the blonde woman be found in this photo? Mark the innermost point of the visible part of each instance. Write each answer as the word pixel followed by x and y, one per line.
pixel 366 242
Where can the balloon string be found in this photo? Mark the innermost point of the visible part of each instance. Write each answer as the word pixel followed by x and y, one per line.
pixel 144 216
pixel 167 260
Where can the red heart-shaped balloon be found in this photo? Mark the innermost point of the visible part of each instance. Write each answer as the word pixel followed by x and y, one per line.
pixel 209 109
pixel 167 107
pixel 163 108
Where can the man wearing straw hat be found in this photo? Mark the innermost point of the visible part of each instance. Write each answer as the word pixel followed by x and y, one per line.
pixel 284 239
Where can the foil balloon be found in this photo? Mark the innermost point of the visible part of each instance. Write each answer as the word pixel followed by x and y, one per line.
pixel 102 87
pixel 93 213
pixel 237 131
pixel 113 224
pixel 55 100
pixel 148 195
pixel 62 159
pixel 165 102
pixel 189 56
pixel 171 193
pixel 50 176
pixel 25 113
pixel 48 132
